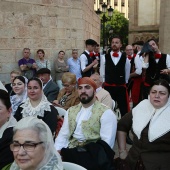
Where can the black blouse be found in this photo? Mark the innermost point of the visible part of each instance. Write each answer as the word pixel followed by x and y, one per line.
pixel 6 155
pixel 50 118
pixel 143 148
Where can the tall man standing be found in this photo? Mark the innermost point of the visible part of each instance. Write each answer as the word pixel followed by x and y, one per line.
pixel 115 70
pixel 87 59
pixel 135 79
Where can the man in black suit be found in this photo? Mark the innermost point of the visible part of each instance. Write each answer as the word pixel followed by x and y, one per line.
pixel 50 88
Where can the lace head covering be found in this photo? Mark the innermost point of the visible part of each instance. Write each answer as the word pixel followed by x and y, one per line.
pixel 29 110
pixel 51 159
pixel 17 99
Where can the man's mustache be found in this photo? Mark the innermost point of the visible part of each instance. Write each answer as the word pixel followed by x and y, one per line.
pixel 83 94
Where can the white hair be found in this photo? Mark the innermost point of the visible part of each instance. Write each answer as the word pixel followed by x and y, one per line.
pixel 45 135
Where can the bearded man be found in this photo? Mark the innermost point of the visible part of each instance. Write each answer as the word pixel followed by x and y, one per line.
pixel 89 130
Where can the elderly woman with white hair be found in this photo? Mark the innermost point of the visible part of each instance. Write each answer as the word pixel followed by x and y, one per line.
pixel 33 146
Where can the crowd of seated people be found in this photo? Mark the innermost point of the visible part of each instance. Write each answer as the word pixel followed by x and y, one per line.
pixel 87 87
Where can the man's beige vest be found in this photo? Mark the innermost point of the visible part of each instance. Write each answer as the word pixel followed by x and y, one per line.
pixel 90 128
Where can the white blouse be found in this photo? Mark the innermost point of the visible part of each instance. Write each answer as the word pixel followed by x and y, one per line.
pixel 44 64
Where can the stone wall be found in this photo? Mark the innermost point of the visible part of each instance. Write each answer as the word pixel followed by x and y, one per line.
pixel 144 18
pixel 52 25
pixel 150 19
pixel 164 31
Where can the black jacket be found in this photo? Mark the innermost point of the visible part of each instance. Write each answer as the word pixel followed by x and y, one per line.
pixel 50 118
pixel 51 91
pixel 6 155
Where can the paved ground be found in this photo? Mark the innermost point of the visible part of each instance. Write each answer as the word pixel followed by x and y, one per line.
pixel 116 147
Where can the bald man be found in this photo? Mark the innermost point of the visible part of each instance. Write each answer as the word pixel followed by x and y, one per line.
pixel 135 79
pixel 129 52
pixel 2 87
pixel 102 95
pixel 84 125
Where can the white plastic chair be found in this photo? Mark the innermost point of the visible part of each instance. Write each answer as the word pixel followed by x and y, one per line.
pixel 113 105
pixel 116 110
pixel 118 114
pixel 72 166
pixel 61 111
pixel 2 87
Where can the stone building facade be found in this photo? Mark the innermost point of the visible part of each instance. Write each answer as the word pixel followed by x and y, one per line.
pixel 120 5
pixel 150 19
pixel 164 28
pixel 52 25
pixel 144 18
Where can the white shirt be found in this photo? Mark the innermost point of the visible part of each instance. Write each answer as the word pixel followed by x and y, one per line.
pixel 138 63
pixel 115 61
pixel 83 60
pixel 146 65
pixel 98 89
pixel 107 131
pixel 47 82
pixel 104 97
pixel 2 87
pixel 74 67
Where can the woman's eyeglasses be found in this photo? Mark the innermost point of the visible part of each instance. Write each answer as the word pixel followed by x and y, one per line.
pixel 66 85
pixel 15 146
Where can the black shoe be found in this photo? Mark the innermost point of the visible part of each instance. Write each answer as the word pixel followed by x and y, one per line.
pixel 128 140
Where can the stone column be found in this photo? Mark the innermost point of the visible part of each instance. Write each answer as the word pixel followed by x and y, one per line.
pixel 126 8
pixel 119 5
pixel 143 21
pixel 164 31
